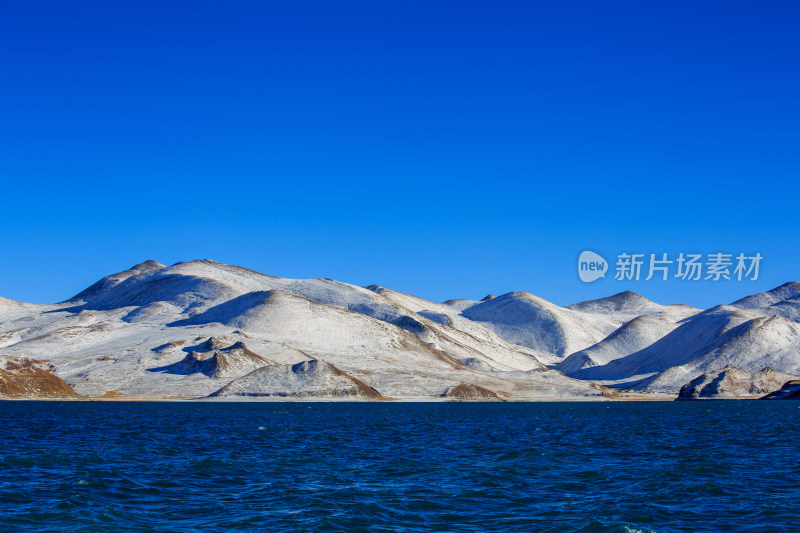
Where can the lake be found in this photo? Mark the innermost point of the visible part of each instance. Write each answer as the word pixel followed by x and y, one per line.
pixel 553 467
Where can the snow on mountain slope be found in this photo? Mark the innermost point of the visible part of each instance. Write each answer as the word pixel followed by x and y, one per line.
pixel 627 305
pixel 631 337
pixel 111 283
pixel 134 333
pixel 145 333
pixel 764 333
pixel 166 294
pixel 781 301
pixel 552 331
pixel 322 331
pixel 392 359
pixel 324 291
pixel 627 302
pixel 12 309
pixel 459 336
pixel 696 334
pixel 789 308
pixel 765 299
pixel 772 342
pixel 193 287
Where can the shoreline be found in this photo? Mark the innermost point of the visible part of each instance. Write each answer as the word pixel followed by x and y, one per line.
pixel 144 399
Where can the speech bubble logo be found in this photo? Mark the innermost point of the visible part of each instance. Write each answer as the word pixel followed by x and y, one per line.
pixel 591 266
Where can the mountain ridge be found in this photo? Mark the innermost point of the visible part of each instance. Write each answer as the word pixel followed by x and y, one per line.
pixel 117 333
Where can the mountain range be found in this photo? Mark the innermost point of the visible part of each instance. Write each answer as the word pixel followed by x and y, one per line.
pixel 203 329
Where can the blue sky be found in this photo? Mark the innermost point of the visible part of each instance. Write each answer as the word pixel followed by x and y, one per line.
pixel 447 149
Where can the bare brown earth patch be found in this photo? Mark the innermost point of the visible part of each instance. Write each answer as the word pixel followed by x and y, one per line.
pixel 467 391
pixel 362 388
pixel 23 380
pixel 411 342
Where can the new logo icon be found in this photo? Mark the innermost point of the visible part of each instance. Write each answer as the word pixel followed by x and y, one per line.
pixel 591 266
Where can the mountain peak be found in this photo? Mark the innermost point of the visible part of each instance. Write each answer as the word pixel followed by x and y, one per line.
pixel 622 301
pixel 142 269
pixel 150 264
pixel 628 296
pixel 786 291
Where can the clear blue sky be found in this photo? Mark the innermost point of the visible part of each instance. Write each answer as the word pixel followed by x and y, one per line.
pixel 447 149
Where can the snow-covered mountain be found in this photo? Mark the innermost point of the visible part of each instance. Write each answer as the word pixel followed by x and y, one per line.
pixel 193 329
pixel 749 334
pixel 632 336
pixel 205 329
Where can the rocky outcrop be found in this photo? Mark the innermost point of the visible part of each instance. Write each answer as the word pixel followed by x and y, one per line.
pixel 789 391
pixel 230 362
pixel 313 379
pixel 22 379
pixel 732 383
pixel 469 392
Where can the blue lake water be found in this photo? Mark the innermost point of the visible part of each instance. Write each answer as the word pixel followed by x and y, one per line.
pixel 553 467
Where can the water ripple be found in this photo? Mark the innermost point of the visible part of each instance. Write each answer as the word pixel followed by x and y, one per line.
pixel 554 467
